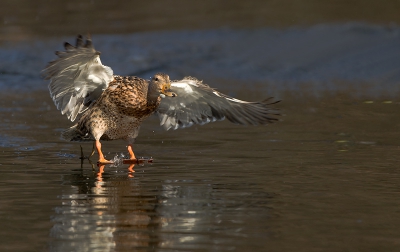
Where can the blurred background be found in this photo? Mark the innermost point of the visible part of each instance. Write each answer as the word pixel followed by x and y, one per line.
pixel 24 19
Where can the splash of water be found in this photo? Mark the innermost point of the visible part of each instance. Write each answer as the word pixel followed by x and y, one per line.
pixel 117 160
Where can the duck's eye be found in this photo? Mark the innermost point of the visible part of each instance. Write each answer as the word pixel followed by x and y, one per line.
pixel 156 79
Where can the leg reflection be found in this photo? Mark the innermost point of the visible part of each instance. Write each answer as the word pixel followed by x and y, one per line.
pixel 100 173
pixel 130 169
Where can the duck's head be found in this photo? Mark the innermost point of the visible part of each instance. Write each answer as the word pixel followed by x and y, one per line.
pixel 162 85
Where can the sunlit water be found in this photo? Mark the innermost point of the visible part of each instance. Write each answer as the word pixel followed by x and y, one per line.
pixel 325 178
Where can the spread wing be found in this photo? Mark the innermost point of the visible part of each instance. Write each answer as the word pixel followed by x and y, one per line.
pixel 77 77
pixel 197 103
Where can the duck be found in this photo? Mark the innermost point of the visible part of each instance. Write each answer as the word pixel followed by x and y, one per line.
pixel 110 107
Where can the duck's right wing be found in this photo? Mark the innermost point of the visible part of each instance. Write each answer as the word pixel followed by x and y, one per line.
pixel 77 77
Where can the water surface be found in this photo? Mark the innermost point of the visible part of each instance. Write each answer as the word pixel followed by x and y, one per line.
pixel 325 177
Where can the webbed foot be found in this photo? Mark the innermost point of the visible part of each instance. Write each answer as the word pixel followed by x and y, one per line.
pixel 103 161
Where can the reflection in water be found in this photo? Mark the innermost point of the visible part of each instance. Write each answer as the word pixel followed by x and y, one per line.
pixel 113 210
pixel 98 209
pixel 213 216
pixel 81 222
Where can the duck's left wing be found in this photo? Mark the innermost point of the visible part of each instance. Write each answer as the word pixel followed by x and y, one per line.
pixel 197 103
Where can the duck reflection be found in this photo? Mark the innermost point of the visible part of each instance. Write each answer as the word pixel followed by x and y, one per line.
pixel 135 208
pixel 103 210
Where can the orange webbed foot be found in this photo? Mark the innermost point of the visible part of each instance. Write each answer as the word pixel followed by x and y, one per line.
pixel 103 161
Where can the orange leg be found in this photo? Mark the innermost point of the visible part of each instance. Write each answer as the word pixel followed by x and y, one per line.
pixel 132 158
pixel 101 160
pixel 131 154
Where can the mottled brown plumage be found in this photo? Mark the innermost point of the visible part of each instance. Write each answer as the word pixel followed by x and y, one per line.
pixel 113 107
pixel 119 111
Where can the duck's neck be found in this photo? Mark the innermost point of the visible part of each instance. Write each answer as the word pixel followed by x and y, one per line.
pixel 153 96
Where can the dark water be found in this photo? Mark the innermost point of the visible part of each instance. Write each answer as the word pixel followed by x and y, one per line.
pixel 325 178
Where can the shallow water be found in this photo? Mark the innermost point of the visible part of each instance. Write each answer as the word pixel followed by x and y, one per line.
pixel 324 178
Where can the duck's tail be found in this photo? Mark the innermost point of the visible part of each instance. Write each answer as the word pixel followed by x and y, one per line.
pixel 74 134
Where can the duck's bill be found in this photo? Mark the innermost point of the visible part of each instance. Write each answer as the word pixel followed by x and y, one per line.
pixel 170 94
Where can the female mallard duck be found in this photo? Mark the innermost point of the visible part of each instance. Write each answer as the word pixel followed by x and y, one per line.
pixel 113 106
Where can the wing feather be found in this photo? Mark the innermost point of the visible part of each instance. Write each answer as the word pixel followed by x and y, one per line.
pixel 197 103
pixel 77 77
